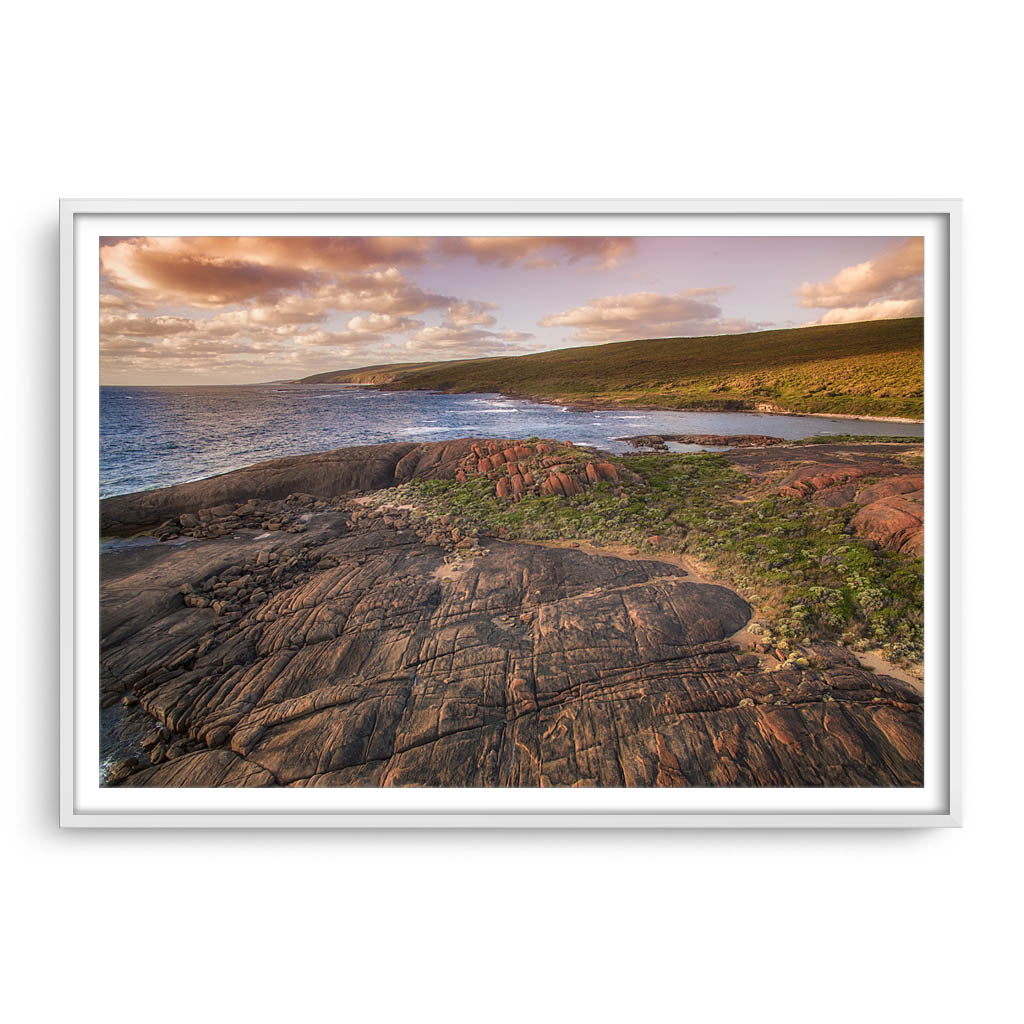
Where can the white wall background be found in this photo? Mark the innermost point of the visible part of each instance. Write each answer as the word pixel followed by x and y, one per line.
pixel 527 100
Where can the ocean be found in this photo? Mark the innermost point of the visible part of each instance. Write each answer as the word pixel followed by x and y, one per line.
pixel 157 436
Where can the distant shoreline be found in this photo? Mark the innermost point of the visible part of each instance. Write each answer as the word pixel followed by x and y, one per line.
pixel 579 404
pixel 584 405
pixel 871 370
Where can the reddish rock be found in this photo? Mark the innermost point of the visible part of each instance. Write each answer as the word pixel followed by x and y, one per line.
pixel 569 486
pixel 808 479
pixel 550 487
pixel 502 490
pixel 895 522
pixel 516 482
pixel 484 465
pixel 906 484
pixel 592 474
pixel 532 666
pixel 607 472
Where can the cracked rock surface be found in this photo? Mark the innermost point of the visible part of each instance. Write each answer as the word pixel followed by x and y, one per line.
pixel 355 653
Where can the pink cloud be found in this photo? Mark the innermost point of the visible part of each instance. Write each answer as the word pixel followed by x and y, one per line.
pixel 455 342
pixel 470 314
pixel 540 251
pixel 382 291
pixel 887 287
pixel 688 313
pixel 374 328
pixel 884 309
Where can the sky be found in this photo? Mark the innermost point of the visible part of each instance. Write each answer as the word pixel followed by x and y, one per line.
pixel 234 310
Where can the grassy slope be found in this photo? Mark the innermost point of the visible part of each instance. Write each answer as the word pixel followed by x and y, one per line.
pixel 381 373
pixel 874 368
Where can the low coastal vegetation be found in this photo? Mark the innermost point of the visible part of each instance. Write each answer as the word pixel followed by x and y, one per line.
pixel 796 562
pixel 874 368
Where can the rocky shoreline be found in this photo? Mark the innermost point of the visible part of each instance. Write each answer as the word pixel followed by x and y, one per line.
pixel 295 624
pixel 660 442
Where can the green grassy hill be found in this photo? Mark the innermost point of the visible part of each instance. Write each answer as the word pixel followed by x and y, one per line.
pixel 381 373
pixel 866 369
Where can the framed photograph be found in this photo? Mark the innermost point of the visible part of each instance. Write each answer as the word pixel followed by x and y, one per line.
pixel 509 513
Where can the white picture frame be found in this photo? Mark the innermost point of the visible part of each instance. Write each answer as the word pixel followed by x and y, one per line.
pixel 938 803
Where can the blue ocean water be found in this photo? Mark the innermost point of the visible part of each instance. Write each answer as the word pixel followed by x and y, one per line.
pixel 156 436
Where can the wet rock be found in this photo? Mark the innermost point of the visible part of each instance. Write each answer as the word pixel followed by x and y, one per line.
pixel 150 740
pixel 122 769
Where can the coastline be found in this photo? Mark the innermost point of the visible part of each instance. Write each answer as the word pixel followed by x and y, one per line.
pixel 455 635
pixel 873 369
pixel 585 405
pixel 595 404
pixel 321 418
